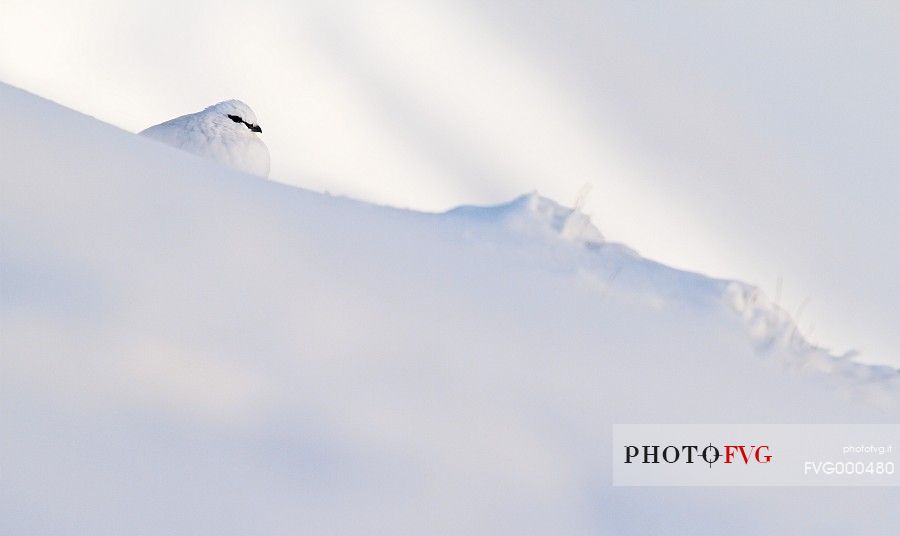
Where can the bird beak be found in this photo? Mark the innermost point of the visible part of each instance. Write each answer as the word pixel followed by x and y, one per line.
pixel 255 128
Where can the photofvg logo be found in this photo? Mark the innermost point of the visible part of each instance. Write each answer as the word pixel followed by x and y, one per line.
pixel 755 455
pixel 710 454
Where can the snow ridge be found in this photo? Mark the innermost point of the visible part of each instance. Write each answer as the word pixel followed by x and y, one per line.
pixel 775 335
pixel 535 216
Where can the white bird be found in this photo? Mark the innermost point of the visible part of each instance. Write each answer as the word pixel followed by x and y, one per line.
pixel 225 132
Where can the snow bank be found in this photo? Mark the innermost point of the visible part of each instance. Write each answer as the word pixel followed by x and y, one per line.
pixel 186 349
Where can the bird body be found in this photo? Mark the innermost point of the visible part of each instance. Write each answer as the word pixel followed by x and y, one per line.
pixel 225 132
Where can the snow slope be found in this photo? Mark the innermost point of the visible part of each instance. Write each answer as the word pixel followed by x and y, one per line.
pixel 187 349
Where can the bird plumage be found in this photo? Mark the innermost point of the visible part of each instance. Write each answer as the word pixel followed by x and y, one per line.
pixel 225 132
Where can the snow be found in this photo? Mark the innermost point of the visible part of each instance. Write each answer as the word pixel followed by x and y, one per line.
pixel 742 140
pixel 188 349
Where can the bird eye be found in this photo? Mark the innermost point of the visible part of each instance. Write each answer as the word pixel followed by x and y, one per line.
pixel 239 119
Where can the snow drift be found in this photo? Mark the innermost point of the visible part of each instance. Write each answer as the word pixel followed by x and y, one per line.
pixel 187 349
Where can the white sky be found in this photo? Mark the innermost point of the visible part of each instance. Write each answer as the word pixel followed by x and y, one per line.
pixel 759 142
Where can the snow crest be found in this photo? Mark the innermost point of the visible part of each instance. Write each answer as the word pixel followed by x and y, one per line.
pixel 614 269
pixel 777 336
pixel 535 216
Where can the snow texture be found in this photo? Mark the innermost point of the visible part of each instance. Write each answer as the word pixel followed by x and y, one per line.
pixel 190 350
pixel 225 132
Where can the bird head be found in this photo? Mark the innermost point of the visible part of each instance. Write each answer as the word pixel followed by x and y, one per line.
pixel 239 113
